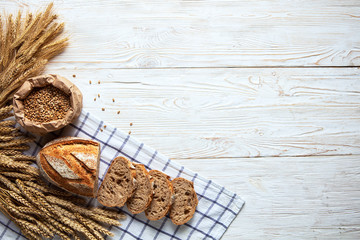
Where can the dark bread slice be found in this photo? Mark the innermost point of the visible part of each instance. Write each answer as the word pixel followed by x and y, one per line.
pixel 185 201
pixel 118 184
pixel 162 198
pixel 143 194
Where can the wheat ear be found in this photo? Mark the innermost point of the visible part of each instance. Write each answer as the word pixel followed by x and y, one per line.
pixel 93 225
pixel 46 189
pixel 103 219
pixel 109 213
pixel 9 152
pixel 21 157
pixel 30 235
pixel 17 175
pixel 7 162
pixel 83 221
pixel 7 183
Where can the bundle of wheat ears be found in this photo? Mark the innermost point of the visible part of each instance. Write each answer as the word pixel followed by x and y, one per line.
pixel 26 44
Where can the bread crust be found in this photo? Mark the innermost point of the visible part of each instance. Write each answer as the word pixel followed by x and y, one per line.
pixel 170 188
pixel 121 202
pixel 60 149
pixel 150 196
pixel 192 211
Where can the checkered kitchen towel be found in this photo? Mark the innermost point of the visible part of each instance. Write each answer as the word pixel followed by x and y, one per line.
pixel 217 206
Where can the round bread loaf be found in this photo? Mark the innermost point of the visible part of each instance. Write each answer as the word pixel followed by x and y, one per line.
pixel 72 164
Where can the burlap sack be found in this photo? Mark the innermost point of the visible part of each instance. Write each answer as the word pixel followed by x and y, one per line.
pixel 40 81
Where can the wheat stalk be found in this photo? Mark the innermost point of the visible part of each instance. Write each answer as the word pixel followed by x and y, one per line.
pixel 103 219
pixel 30 235
pixel 26 45
pixel 69 205
pixel 32 211
pixel 93 225
pixel 31 227
pixel 58 225
pixel 7 115
pixel 6 138
pixel 9 185
pixel 6 109
pixel 9 152
pixel 91 229
pixel 7 130
pixel 17 175
pixel 7 123
pixel 46 189
pixel 2 42
pixel 7 162
pixel 58 232
pixel 19 199
pixel 109 213
pixel 21 157
pixel 22 147
pixel 15 142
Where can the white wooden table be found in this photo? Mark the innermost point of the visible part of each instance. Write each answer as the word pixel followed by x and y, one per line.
pixel 262 96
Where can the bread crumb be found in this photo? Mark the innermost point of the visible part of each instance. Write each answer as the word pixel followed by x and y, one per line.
pixel 99 82
pixel 98 95
pixel 94 98
pixel 130 124
pixel 118 112
pixel 104 126
pixel 129 132
pixel 89 81
pixel 113 100
pixel 101 129
pixel 74 76
pixel 102 109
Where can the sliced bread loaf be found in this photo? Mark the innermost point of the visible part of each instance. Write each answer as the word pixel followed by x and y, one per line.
pixel 118 184
pixel 142 196
pixel 162 198
pixel 185 201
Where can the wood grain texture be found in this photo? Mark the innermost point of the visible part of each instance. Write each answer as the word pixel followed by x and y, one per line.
pixel 290 198
pixel 158 34
pixel 222 113
pixel 220 87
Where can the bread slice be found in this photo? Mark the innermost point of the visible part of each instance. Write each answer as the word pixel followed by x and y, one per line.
pixel 118 184
pixel 185 201
pixel 143 194
pixel 162 198
pixel 71 163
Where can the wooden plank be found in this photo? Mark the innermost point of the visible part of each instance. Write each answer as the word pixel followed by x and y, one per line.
pixel 224 113
pixel 290 198
pixel 160 34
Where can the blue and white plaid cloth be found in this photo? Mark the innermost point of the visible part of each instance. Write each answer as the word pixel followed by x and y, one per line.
pixel 217 206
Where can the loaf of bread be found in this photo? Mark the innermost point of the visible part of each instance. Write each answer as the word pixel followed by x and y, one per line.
pixel 72 164
pixel 162 198
pixel 185 201
pixel 118 184
pixel 143 194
